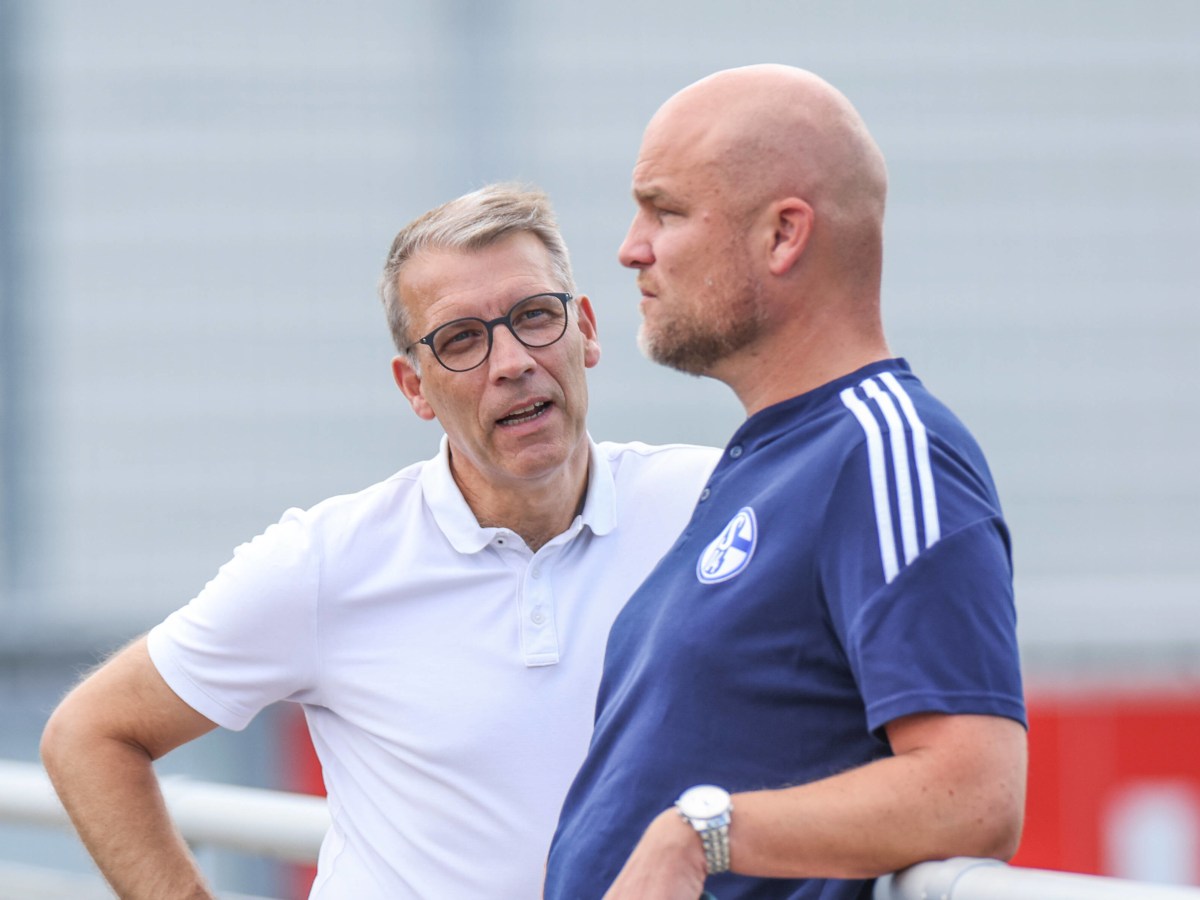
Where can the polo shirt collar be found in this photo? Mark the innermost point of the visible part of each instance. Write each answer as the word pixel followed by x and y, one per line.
pixel 462 529
pixel 600 502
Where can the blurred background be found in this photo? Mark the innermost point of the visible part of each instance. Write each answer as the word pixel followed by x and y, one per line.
pixel 196 200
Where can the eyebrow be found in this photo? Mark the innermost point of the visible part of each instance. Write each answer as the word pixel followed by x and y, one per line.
pixel 652 194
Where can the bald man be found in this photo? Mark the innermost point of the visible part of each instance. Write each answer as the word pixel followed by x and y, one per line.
pixel 819 683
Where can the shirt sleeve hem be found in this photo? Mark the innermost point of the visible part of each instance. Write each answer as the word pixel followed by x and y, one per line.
pixel 880 714
pixel 177 679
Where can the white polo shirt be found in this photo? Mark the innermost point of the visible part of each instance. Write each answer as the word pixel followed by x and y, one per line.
pixel 447 673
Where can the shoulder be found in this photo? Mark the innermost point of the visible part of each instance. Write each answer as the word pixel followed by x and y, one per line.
pixel 896 402
pixel 663 454
pixel 669 463
pixel 346 521
pixel 383 497
pixel 898 430
pixel 912 474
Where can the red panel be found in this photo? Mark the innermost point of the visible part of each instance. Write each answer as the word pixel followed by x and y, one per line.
pixel 1085 749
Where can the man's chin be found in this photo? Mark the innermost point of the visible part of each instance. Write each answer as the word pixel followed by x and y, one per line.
pixel 686 359
pixel 538 458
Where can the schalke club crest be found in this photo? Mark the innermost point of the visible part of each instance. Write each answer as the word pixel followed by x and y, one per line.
pixel 730 553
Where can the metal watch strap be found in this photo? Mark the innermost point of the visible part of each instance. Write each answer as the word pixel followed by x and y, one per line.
pixel 716 848
pixel 715 841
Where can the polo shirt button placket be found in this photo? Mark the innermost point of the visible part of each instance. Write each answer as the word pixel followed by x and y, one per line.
pixel 540 637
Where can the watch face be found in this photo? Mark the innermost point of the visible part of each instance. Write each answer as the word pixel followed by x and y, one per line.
pixel 704 801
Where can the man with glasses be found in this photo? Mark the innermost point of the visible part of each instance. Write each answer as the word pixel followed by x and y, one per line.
pixel 443 630
pixel 819 683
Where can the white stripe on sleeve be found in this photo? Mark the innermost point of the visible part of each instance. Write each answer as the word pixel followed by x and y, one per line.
pixel 904 492
pixel 879 482
pixel 933 528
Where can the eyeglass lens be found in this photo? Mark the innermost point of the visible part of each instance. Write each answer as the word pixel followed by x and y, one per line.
pixel 536 321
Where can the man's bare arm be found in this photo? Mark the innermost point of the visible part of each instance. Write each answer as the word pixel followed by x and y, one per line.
pixel 98 749
pixel 955 787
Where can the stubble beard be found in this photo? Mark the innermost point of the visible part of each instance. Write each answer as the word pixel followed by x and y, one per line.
pixel 697 343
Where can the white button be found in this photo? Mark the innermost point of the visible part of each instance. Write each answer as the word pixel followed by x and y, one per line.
pixel 538 616
pixel 704 495
pixel 536 573
pixel 735 451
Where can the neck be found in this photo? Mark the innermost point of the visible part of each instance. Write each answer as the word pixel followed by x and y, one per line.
pixel 805 353
pixel 538 509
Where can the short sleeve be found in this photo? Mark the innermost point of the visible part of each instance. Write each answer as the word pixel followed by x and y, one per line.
pixel 249 638
pixel 925 614
pixel 941 637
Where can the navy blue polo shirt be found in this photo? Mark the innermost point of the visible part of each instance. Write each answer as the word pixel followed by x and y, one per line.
pixel 846 565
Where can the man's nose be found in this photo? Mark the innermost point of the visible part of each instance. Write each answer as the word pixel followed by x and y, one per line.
pixel 635 252
pixel 509 358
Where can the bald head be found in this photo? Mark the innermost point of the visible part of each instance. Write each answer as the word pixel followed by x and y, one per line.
pixel 770 131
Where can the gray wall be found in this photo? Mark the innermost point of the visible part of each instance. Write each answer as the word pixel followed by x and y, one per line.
pixel 195 201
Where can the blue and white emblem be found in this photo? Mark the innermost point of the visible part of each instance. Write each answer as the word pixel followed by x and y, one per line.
pixel 730 553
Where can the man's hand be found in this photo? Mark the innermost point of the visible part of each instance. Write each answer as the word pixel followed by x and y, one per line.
pixel 667 863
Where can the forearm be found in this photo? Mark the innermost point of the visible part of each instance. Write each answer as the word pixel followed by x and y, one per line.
pixel 955 787
pixel 99 748
pixel 112 795
pixel 870 821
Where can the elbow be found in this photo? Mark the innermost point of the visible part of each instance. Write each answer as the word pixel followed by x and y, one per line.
pixel 987 826
pixel 998 803
pixel 70 738
pixel 997 832
pixel 54 747
pixel 1006 835
pixel 973 783
pixel 1008 810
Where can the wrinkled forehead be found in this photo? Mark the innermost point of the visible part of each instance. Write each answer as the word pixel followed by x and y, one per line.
pixel 450 282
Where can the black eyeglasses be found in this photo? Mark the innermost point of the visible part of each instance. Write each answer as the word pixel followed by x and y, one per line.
pixel 464 344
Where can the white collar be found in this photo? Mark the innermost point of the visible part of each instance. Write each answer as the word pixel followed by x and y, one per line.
pixel 456 520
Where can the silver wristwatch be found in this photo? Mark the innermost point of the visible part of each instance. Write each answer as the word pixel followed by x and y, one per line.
pixel 708 809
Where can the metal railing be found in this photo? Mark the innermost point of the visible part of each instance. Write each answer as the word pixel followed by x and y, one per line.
pixel 273 824
pixel 989 879
pixel 291 826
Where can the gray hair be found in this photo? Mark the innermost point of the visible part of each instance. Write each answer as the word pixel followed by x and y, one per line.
pixel 471 222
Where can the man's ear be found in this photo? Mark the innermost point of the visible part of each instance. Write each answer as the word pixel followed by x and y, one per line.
pixel 591 335
pixel 408 379
pixel 792 224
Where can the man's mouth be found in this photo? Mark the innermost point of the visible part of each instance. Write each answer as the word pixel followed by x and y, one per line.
pixel 525 414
